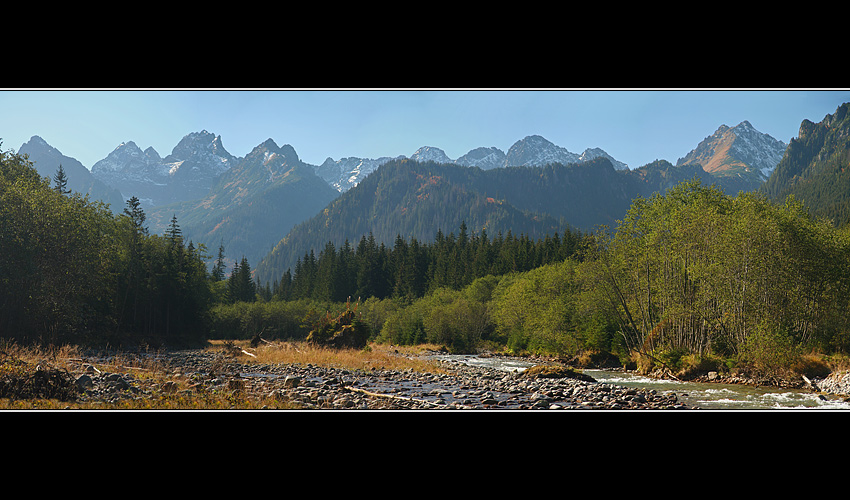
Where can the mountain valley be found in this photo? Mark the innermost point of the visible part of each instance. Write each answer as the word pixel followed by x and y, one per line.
pixel 272 207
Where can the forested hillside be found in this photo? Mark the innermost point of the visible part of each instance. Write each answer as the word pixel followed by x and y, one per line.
pixel 816 168
pixel 415 200
pixel 407 199
pixel 410 269
pixel 251 206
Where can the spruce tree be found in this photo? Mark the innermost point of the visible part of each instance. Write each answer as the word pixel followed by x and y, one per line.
pixel 136 214
pixel 247 287
pixel 218 269
pixel 174 233
pixel 61 180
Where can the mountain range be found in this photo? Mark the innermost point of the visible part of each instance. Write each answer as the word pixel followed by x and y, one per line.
pixel 187 173
pixel 533 150
pixel 47 160
pixel 260 205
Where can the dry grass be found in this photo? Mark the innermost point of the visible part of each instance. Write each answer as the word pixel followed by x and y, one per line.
pixel 20 361
pixel 375 356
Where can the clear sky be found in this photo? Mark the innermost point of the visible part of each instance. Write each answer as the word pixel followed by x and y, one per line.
pixel 634 126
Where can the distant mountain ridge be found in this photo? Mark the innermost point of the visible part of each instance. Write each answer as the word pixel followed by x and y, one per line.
pixel 185 174
pixel 250 204
pixel 533 150
pixel 47 159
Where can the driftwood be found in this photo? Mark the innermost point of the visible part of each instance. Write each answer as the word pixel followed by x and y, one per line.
pixel 235 350
pixel 390 396
pixel 258 338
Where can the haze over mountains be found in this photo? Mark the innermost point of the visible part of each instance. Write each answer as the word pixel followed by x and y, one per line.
pixel 272 207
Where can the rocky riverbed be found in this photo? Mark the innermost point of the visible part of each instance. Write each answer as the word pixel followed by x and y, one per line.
pixel 324 388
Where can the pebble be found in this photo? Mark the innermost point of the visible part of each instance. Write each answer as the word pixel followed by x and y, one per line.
pixel 464 387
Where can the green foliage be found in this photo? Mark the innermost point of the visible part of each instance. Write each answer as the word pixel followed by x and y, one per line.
pixel 537 312
pixel 769 350
pixel 816 168
pixel 61 181
pixel 410 269
pixel 72 271
pixel 697 271
pixel 283 320
pixel 346 329
pixel 404 327
pixel 240 285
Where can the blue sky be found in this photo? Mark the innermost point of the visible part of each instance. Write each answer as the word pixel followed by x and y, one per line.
pixel 634 126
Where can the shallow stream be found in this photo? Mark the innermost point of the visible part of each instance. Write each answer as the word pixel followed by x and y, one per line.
pixel 695 395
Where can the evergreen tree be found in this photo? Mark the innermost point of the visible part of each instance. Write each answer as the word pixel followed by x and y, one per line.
pixel 137 215
pixel 247 286
pixel 218 269
pixel 241 286
pixel 174 233
pixel 61 181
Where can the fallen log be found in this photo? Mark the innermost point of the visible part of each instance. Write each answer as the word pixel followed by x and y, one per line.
pixel 391 396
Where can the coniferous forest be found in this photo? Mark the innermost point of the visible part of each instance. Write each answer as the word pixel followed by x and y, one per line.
pixel 691 272
pixel 73 272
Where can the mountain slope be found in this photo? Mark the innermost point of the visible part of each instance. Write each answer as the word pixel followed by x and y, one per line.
pixel 186 174
pixel 816 167
pixel 251 206
pixel 415 199
pixel 47 159
pixel 739 152
pixel 408 199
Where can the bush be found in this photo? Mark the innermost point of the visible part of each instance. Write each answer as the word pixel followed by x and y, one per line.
pixel 403 327
pixel 769 350
pixel 343 330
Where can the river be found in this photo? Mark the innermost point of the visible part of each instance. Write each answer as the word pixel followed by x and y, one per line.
pixel 695 395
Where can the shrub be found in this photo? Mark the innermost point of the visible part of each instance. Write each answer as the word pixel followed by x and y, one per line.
pixel 343 330
pixel 769 350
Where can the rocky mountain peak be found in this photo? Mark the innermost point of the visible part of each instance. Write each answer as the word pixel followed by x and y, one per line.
pixel 483 158
pixel 430 153
pixel 740 150
pixel 187 173
pixel 534 150
pixel 198 144
pixel 47 159
pixel 593 153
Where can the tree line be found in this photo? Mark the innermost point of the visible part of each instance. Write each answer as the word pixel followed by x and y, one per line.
pixel 692 272
pixel 74 272
pixel 410 269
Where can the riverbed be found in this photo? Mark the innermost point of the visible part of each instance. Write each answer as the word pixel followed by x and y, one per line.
pixel 712 396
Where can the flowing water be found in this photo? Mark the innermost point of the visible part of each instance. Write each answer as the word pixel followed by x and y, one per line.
pixel 694 395
pixel 725 396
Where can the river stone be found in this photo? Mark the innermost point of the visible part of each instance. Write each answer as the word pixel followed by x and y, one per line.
pixel 84 382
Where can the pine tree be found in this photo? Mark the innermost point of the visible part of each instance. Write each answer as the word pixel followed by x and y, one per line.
pixel 247 287
pixel 174 233
pixel 135 212
pixel 61 181
pixel 218 269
